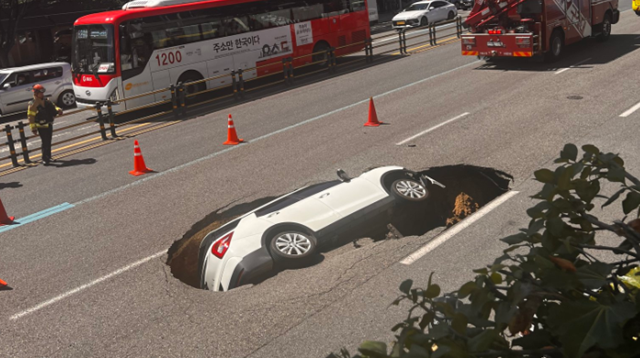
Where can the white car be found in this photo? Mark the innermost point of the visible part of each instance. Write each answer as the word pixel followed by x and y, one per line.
pixel 16 84
pixel 423 13
pixel 294 225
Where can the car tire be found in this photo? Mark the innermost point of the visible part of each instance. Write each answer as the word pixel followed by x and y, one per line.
pixel 451 15
pixel 424 22
pixel 292 245
pixel 192 76
pixel 605 28
pixel 556 44
pixel 67 99
pixel 408 189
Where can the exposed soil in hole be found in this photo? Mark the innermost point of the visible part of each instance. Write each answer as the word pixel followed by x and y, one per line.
pixel 468 188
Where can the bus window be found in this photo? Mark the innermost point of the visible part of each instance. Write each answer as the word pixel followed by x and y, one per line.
pixel 135 48
pixel 211 29
pixel 235 25
pixel 271 19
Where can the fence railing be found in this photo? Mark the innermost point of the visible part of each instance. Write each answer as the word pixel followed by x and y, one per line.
pixel 184 96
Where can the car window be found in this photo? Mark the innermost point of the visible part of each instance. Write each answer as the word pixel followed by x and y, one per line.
pixel 277 205
pixel 3 76
pixel 417 7
pixel 315 189
pixel 21 78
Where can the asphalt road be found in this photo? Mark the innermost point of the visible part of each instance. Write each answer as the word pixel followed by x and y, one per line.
pixel 91 279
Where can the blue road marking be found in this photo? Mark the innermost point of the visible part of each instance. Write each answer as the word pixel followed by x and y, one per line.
pixel 37 216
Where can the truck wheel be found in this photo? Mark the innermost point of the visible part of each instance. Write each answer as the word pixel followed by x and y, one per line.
pixel 556 45
pixel 605 30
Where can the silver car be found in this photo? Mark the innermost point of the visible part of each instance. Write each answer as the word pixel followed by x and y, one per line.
pixel 16 84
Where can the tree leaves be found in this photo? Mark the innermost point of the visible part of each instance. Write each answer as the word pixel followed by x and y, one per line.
pixel 584 324
pixel 594 276
pixel 631 202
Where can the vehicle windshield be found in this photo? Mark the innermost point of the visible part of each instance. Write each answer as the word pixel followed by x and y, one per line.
pixel 417 7
pixel 93 50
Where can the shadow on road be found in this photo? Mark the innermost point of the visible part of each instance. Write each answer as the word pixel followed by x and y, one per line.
pixel 12 185
pixel 59 163
pixel 588 53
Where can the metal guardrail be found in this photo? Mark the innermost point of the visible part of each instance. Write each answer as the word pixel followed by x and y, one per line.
pixel 180 98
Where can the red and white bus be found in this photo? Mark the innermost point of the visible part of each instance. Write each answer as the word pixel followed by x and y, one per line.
pixel 151 44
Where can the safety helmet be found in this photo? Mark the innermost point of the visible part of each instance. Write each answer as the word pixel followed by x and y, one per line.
pixel 38 89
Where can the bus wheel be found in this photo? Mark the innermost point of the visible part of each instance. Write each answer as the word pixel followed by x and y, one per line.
pixel 192 76
pixel 556 45
pixel 605 28
pixel 320 54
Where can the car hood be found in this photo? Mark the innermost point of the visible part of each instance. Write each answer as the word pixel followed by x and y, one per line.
pixel 408 15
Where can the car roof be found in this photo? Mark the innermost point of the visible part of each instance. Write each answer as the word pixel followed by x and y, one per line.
pixel 34 67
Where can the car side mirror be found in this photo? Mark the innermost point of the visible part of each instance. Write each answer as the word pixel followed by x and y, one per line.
pixel 7 85
pixel 343 176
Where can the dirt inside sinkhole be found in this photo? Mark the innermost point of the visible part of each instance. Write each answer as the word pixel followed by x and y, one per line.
pixel 468 188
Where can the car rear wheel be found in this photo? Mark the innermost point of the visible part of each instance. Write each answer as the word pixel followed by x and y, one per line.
pixel 451 15
pixel 409 190
pixel 67 99
pixel 293 245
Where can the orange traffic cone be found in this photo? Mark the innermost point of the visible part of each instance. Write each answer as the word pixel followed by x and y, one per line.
pixel 232 136
pixel 139 167
pixel 4 286
pixel 4 218
pixel 373 117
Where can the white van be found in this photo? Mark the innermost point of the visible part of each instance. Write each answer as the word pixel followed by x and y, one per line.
pixel 16 84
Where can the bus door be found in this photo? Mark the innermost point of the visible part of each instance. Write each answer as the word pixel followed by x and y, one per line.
pixel 135 50
pixel 161 79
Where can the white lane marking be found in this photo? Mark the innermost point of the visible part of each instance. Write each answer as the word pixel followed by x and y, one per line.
pixel 629 111
pixel 457 228
pixel 572 66
pixel 84 287
pixel 432 128
pixel 174 169
pixel 416 33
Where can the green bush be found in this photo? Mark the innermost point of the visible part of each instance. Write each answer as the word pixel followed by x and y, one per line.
pixel 549 294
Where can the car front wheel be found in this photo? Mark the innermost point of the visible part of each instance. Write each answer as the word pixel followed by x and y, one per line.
pixel 293 245
pixel 409 189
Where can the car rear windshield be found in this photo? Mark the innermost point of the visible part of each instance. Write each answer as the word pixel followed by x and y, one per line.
pixel 416 7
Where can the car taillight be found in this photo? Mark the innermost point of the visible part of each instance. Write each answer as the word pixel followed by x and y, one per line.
pixel 469 41
pixel 221 246
pixel 523 41
pixel 495 32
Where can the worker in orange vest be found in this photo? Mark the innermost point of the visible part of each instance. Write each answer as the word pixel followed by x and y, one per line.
pixel 41 113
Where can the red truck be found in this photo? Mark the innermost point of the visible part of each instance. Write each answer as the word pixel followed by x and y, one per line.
pixel 526 28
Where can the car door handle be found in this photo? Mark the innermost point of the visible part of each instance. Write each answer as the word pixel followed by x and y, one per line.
pixel 273 214
pixel 324 195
